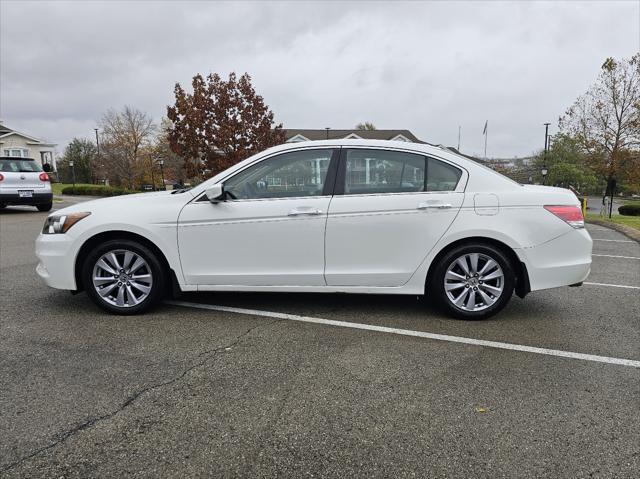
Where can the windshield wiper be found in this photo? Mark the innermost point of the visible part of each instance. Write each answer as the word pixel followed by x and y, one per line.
pixel 181 190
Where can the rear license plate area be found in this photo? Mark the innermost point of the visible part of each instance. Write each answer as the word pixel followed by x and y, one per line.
pixel 25 193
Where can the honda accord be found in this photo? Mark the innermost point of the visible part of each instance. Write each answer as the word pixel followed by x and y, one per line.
pixel 348 216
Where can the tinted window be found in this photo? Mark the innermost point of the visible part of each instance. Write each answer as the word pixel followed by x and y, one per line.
pixel 442 176
pixel 299 173
pixel 17 165
pixel 381 171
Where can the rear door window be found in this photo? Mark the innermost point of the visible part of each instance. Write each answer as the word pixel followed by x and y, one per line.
pixel 383 171
pixel 386 171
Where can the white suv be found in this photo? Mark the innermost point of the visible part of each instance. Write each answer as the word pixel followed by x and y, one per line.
pixel 349 216
pixel 23 182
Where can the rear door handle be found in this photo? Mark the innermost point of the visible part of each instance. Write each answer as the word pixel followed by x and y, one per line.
pixel 434 206
pixel 305 210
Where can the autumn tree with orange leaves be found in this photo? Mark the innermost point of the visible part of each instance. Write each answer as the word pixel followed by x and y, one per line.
pixel 219 124
pixel 606 122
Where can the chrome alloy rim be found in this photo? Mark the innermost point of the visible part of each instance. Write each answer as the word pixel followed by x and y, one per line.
pixel 473 282
pixel 122 278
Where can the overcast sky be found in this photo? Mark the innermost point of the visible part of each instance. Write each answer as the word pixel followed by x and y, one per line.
pixel 424 66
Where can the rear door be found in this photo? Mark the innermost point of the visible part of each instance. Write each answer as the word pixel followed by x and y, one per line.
pixel 389 210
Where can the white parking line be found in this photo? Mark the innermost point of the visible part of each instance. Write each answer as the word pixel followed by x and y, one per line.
pixel 615 256
pixel 612 285
pixel 419 334
pixel 615 241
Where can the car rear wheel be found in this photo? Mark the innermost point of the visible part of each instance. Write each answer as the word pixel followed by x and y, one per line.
pixel 473 281
pixel 123 277
pixel 45 207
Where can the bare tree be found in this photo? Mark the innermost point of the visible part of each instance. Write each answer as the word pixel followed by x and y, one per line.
pixel 606 119
pixel 174 164
pixel 126 134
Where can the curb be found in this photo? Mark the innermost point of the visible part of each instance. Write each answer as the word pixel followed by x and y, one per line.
pixel 629 232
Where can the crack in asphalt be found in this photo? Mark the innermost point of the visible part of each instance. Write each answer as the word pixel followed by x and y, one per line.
pixel 205 355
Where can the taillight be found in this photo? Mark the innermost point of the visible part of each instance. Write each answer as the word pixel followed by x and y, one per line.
pixel 1 177
pixel 572 215
pixel 44 177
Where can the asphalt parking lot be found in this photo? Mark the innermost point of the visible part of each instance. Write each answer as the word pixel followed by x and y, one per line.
pixel 188 391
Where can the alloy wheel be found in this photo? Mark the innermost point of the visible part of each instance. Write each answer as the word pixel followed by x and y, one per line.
pixel 474 281
pixel 122 278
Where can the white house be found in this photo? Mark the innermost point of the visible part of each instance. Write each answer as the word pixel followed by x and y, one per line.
pixel 15 143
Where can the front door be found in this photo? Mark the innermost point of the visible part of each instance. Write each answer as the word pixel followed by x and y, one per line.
pixel 271 233
pixel 389 210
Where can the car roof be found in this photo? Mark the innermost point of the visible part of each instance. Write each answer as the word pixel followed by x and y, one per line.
pixel 437 151
pixel 425 147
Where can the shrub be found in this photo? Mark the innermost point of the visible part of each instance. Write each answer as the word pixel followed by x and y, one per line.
pixel 629 210
pixel 95 190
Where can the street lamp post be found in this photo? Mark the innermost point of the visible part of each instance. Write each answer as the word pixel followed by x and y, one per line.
pixel 153 178
pixel 73 173
pixel 97 156
pixel 161 163
pixel 546 147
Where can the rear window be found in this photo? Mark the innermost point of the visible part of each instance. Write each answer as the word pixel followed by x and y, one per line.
pixel 19 165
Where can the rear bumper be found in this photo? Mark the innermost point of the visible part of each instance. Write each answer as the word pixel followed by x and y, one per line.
pixel 36 199
pixel 563 261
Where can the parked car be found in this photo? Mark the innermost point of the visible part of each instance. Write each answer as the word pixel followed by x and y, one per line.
pixel 23 182
pixel 349 216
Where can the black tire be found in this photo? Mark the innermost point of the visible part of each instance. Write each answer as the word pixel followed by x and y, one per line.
pixel 437 282
pixel 2 206
pixel 45 207
pixel 155 267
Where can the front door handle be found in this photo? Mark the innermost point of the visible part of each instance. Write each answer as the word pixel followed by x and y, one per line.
pixel 305 210
pixel 435 206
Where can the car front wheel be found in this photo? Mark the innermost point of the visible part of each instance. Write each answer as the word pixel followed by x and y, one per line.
pixel 123 277
pixel 473 281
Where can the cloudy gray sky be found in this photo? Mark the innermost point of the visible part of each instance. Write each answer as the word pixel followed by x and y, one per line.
pixel 425 66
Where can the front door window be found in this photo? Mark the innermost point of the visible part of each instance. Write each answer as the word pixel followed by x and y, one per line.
pixel 290 175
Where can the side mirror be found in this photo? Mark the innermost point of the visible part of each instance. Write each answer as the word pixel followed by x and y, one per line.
pixel 46 167
pixel 215 194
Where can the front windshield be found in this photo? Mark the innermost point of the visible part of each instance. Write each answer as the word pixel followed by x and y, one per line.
pixel 19 165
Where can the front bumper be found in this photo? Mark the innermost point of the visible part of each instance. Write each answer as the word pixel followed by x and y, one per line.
pixel 56 257
pixel 15 199
pixel 563 261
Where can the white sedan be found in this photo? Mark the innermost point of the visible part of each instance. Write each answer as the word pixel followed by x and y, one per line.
pixel 348 216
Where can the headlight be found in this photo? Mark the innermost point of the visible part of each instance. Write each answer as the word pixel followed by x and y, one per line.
pixel 58 224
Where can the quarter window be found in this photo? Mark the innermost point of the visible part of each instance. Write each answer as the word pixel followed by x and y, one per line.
pixel 295 174
pixel 442 176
